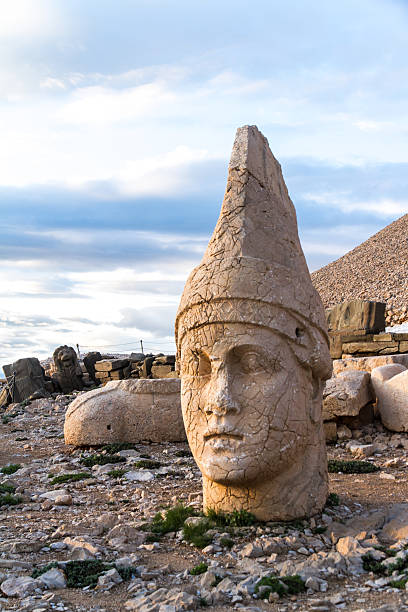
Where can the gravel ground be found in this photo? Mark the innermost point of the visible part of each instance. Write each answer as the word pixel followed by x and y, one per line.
pixel 100 518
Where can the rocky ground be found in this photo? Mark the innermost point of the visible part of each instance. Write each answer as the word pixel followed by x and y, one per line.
pixel 375 270
pixel 96 524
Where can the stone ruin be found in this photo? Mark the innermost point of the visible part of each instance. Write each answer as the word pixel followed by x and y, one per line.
pixel 68 373
pixel 253 351
pixel 126 411
pixel 26 379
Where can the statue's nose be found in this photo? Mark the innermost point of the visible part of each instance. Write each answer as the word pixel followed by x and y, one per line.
pixel 220 400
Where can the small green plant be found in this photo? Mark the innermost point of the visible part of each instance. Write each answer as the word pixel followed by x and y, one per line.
pixel 10 500
pixel 201 568
pixel 237 518
pixel 74 477
pixel 183 453
pixel 5 419
pixel 147 463
pixel 320 529
pixel 172 519
pixel 5 487
pixel 372 565
pixel 116 447
pixel 351 467
pixel 227 542
pixel 117 473
pixel 10 469
pixel 196 534
pixel 101 460
pixel 332 500
pixel 80 574
pixel 398 584
pixel 285 585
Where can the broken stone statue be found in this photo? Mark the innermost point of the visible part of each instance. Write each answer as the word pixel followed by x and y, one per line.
pixel 26 378
pixel 126 411
pixel 68 373
pixel 252 349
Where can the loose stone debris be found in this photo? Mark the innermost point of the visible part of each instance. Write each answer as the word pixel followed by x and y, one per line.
pixel 78 507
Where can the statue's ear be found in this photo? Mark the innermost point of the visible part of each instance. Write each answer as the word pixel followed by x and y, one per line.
pixel 316 400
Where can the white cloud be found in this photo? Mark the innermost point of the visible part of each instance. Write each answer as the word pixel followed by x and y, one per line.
pixel 99 104
pixel 22 19
pixel 385 207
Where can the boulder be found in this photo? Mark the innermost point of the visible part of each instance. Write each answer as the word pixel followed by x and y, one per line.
pixel 25 377
pixel 391 390
pixel 346 394
pixel 126 411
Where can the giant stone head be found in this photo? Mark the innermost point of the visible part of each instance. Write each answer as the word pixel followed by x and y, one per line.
pixel 253 350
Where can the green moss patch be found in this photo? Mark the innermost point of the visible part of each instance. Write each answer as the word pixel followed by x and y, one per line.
pixel 201 568
pixel 101 460
pixel 351 467
pixel 10 469
pixel 333 500
pixel 80 574
pixel 5 487
pixel 118 473
pixel 10 500
pixel 74 477
pixel 116 447
pixel 285 585
pixel 237 518
pixel 147 463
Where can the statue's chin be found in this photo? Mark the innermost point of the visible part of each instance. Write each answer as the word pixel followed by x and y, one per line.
pixel 228 473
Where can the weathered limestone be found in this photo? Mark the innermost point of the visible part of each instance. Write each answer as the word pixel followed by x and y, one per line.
pixel 26 376
pixel 367 363
pixel 346 394
pixel 253 350
pixel 357 315
pixel 68 373
pixel 390 384
pixel 126 411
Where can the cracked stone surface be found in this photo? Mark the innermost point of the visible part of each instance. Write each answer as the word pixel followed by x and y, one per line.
pixel 126 411
pixel 253 350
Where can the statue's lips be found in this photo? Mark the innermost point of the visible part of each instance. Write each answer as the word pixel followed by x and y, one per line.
pixel 222 435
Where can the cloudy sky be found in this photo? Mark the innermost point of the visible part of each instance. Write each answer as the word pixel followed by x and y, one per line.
pixel 117 118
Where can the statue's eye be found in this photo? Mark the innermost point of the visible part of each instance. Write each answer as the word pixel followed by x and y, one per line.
pixel 204 365
pixel 252 362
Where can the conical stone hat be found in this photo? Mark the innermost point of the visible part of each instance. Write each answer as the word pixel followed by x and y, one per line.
pixel 254 270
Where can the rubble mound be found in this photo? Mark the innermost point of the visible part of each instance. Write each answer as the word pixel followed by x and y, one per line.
pixel 374 270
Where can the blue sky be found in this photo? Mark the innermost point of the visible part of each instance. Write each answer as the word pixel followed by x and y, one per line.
pixel 117 120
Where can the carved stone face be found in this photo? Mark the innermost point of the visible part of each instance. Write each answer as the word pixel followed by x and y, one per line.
pixel 246 402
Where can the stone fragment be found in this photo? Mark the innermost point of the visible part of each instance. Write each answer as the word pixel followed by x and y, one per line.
pixel 346 394
pixel 253 352
pixel 330 431
pixel 359 348
pixel 90 360
pixel 126 411
pixel 161 371
pixel 20 586
pixel 25 377
pixel 357 315
pixel 396 524
pixel 53 579
pixel 344 433
pixel 392 397
pixel 52 495
pixel 139 476
pixel 68 373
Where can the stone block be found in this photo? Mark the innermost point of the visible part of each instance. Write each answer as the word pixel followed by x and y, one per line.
pixel 126 411
pixel 403 347
pixel 357 315
pixel 346 394
pixel 351 348
pixel 160 371
pixel 26 376
pixel 116 375
pixel 107 365
pixel 102 375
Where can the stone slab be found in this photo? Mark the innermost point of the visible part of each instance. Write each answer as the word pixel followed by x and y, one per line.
pixel 367 363
pixel 106 365
pixel 357 315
